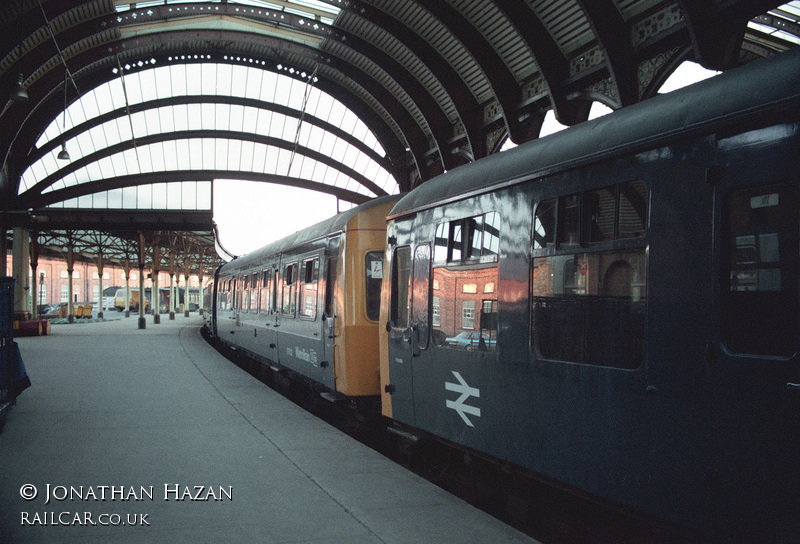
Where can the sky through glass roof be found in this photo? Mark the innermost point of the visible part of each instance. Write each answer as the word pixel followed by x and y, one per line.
pixel 209 116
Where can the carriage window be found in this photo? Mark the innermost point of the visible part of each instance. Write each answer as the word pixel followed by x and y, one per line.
pixel 222 296
pixel 374 278
pixel 491 234
pixel 544 225
pixel 471 238
pixel 440 243
pixel 599 209
pixel 632 209
pixel 463 307
pixel 589 306
pixel 401 275
pixel 238 293
pixel 308 290
pixel 330 284
pixel 289 305
pixel 254 296
pixel 266 298
pixel 569 221
pixel 760 301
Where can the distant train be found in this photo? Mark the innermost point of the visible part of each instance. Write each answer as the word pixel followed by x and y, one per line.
pixel 615 307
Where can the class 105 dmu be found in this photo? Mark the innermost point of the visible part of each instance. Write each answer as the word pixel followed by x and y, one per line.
pixel 615 307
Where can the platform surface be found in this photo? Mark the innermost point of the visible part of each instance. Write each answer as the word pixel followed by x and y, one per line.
pixel 132 435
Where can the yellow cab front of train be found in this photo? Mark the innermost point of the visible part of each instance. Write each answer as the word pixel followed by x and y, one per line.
pixel 356 300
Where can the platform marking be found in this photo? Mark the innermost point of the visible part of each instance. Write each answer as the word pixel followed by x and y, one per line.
pixel 466 392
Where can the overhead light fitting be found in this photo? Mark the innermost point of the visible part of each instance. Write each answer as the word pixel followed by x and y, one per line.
pixel 63 155
pixel 20 94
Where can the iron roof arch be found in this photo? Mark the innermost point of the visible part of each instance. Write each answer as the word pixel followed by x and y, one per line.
pixel 598 60
pixel 149 178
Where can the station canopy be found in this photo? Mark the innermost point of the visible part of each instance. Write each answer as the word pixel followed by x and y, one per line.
pixel 135 111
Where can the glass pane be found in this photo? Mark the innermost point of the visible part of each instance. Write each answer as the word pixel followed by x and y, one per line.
pixel 420 288
pixel 440 243
pixel 401 273
pixel 599 212
pixel 491 234
pixel 569 221
pixel 455 241
pixel 760 305
pixel 374 279
pixel 465 307
pixel 474 230
pixel 590 308
pixel 633 201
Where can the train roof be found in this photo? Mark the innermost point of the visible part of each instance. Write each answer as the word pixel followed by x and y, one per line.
pixel 702 108
pixel 317 231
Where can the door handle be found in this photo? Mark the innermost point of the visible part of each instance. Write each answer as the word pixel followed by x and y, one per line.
pixel 793 386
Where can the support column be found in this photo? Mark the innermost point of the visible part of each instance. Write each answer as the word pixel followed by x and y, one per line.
pixel 34 255
pixel 200 277
pixel 70 270
pixel 21 259
pixel 142 301
pixel 100 282
pixel 126 267
pixel 156 295
pixel 172 278
pixel 186 274
pixel 172 290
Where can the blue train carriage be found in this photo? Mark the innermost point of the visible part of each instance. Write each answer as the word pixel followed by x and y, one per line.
pixel 616 306
pixel 286 303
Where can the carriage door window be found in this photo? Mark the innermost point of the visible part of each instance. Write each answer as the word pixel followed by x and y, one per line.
pixel 419 294
pixel 308 294
pixel 374 278
pixel 266 302
pixel 401 274
pixel 288 308
pixel 254 298
pixel 760 285
pixel 245 304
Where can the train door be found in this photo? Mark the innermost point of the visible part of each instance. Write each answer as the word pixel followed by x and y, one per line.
pixel 262 304
pixel 329 317
pixel 408 326
pixel 400 336
pixel 268 314
pixel 755 373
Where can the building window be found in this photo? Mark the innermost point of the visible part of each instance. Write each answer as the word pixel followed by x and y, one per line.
pixel 468 314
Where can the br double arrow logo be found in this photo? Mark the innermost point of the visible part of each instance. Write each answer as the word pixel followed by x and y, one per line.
pixel 466 392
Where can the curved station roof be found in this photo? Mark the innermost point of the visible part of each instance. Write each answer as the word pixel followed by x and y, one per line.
pixel 119 117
